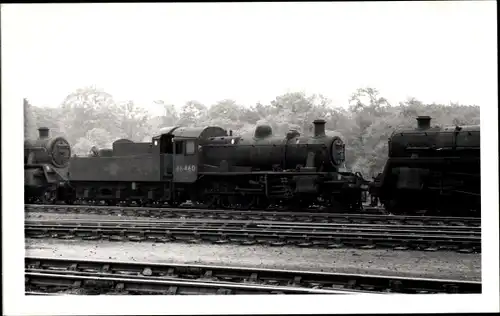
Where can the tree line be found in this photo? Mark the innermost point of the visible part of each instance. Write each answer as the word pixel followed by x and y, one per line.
pixel 92 117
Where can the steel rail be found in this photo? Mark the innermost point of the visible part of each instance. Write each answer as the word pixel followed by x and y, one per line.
pixel 140 277
pixel 223 275
pixel 322 217
pixel 37 293
pixel 462 241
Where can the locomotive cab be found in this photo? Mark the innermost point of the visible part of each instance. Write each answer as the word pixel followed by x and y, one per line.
pixel 180 148
pixel 163 146
pixel 185 159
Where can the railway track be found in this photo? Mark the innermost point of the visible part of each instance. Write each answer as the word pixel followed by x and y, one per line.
pixel 99 283
pixel 311 217
pixel 464 239
pixel 49 275
pixel 258 225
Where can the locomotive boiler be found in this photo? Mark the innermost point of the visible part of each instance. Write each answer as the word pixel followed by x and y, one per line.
pixel 432 169
pixel 266 152
pixel 293 170
pixel 46 162
pixel 209 166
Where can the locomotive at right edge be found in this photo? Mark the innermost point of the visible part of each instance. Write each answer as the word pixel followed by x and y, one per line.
pixel 432 169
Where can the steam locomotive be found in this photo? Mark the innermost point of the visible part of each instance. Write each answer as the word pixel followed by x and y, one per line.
pixel 212 167
pixel 432 169
pixel 46 162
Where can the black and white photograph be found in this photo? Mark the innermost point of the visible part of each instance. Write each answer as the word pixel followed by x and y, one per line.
pixel 180 158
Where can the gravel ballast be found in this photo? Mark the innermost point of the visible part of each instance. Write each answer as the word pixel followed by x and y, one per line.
pixel 441 264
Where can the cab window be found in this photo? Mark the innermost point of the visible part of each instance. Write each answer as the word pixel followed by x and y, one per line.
pixel 190 147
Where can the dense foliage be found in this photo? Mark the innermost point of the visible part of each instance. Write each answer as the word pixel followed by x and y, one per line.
pixel 91 117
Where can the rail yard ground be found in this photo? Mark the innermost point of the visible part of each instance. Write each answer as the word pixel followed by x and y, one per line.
pixel 446 265
pixel 421 264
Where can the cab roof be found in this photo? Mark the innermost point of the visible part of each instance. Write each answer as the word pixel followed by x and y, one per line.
pixel 193 132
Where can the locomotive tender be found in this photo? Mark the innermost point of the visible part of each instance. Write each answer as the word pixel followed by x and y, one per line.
pixel 46 162
pixel 434 169
pixel 211 167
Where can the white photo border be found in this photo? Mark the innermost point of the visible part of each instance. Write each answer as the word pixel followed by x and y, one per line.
pixel 16 303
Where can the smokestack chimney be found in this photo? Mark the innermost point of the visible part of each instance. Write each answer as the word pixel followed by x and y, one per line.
pixel 424 122
pixel 43 132
pixel 319 128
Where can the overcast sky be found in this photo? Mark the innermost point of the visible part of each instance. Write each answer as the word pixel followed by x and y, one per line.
pixel 250 52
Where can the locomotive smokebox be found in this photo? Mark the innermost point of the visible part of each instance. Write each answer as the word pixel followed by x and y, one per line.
pixel 424 122
pixel 319 128
pixel 43 132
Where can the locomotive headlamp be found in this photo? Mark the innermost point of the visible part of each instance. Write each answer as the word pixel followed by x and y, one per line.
pixel 232 141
